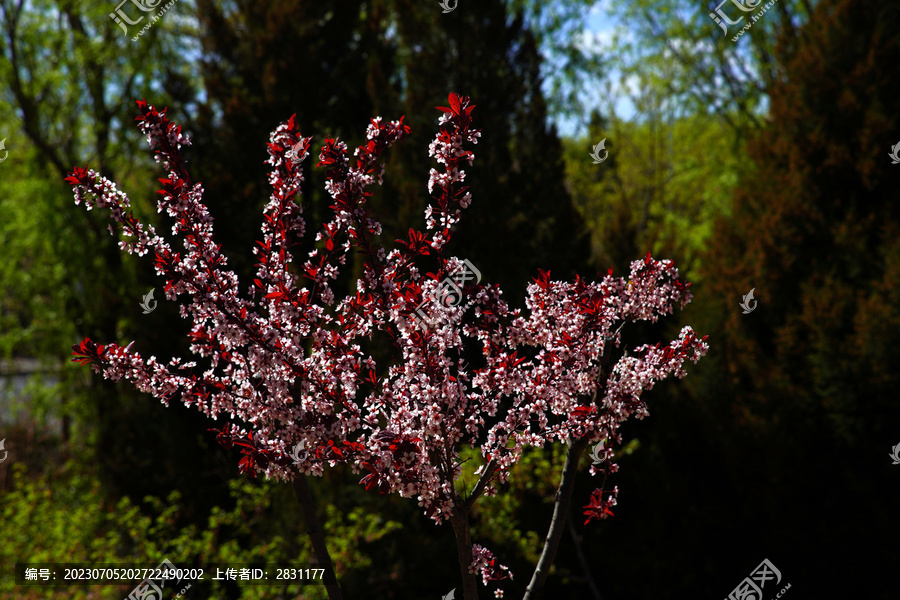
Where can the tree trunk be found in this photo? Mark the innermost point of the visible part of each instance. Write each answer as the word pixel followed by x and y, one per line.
pixel 316 535
pixel 460 522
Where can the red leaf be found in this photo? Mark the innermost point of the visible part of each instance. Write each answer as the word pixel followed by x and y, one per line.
pixel 543 280
pixel 454 103
pixel 88 352
pixel 79 176
pixel 583 411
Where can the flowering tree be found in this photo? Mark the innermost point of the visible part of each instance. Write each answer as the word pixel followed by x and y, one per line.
pixel 286 365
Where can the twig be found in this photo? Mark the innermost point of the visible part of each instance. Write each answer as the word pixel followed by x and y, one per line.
pixel 583 559
pixel 482 481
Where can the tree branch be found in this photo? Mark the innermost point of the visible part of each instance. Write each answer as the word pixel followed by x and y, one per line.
pixel 479 486
pixel 316 536
pixel 558 523
pixel 576 540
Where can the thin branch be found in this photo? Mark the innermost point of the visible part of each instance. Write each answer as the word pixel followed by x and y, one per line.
pixel 479 486
pixel 576 539
pixel 557 524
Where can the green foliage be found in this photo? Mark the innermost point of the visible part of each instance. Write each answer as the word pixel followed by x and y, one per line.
pixel 353 532
pixel 65 517
pixel 568 67
pixel 514 522
pixel 660 189
pixel 677 49
pixel 781 443
pixel 73 79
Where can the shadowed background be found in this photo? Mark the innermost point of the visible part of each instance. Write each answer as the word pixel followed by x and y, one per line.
pixel 758 164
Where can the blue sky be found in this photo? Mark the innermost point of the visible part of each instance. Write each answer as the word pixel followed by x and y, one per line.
pixel 599 30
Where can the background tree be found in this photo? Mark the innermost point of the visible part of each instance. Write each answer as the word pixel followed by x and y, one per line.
pixel 702 71
pixel 662 185
pixel 778 448
pixel 260 60
pixel 815 230
pixel 71 85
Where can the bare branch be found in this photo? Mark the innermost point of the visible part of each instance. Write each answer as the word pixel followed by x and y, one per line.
pixel 579 551
pixel 558 523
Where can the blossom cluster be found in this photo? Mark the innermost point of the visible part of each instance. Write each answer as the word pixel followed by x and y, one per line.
pixel 285 364
pixel 485 563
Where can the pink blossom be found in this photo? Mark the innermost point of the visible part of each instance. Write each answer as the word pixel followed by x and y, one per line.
pixel 486 564
pixel 544 373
